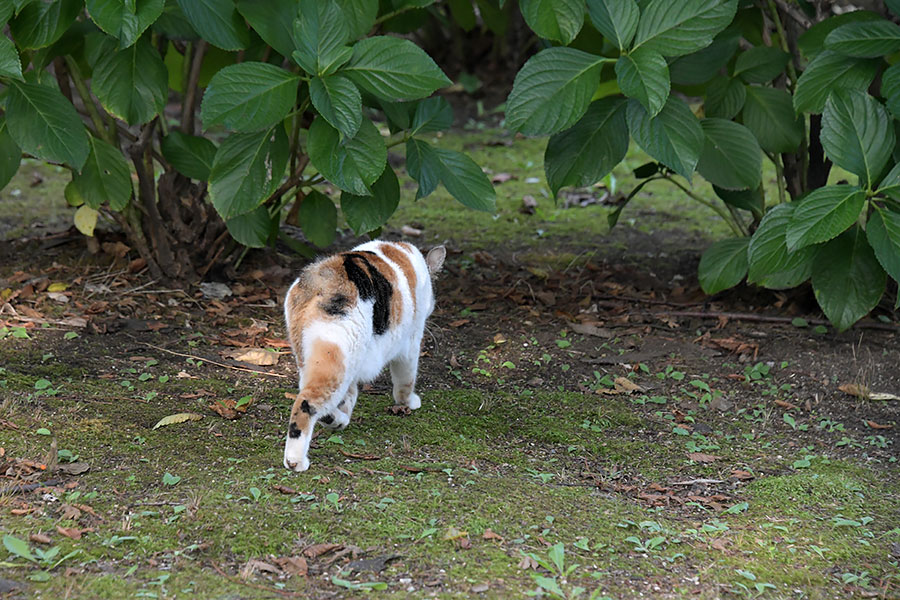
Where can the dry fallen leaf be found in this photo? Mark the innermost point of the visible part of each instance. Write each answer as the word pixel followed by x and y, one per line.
pixel 255 565
pixel 359 456
pixel 490 535
pixel 623 384
pixel 855 389
pixel 718 544
pixel 882 396
pixel 528 563
pixel 75 468
pixel 69 532
pixel 317 550
pixel 70 513
pixel 225 409
pixel 284 489
pixel 40 538
pixel 502 178
pixel 177 418
pixel 293 565
pixel 875 425
pixel 592 329
pixel 253 356
pixel 700 457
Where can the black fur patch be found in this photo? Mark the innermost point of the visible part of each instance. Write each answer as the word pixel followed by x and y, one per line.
pixel 371 284
pixel 336 306
pixel 305 407
pixel 293 432
pixel 328 419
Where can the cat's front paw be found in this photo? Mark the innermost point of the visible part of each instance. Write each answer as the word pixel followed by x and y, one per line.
pixel 294 457
pixel 413 402
pixel 296 464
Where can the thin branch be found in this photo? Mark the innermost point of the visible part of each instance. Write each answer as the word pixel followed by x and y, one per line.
pixel 718 209
pixel 190 97
pixel 789 10
pixel 294 179
pixel 86 99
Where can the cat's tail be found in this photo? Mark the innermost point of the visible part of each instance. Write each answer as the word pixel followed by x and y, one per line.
pixel 323 378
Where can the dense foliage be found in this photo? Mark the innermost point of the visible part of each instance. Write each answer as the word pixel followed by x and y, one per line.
pixel 790 83
pixel 110 89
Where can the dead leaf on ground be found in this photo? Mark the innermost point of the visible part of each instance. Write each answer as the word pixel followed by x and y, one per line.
pixel 225 409
pixel 293 565
pixel 410 231
pixel 502 177
pixel 40 538
pixel 359 456
pixel 875 425
pixel 855 389
pixel 453 533
pixel 372 565
pixel 527 563
pixel 253 356
pixel 459 323
pixel 284 489
pixel 786 404
pixel 75 468
pixel 177 418
pixel 592 329
pixel 70 513
pixel 490 535
pixel 718 544
pixel 70 532
pixel 700 457
pixel 741 475
pixel 399 410
pixel 625 385
pixel 882 396
pixel 317 550
pixel 255 565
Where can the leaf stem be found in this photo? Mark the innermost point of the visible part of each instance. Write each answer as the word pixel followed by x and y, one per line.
pixel 718 209
pixel 87 100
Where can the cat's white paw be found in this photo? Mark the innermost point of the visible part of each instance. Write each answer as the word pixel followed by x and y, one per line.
pixel 294 457
pixel 413 402
pixel 296 464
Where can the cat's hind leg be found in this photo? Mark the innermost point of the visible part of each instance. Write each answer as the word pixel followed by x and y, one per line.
pixel 340 417
pixel 403 375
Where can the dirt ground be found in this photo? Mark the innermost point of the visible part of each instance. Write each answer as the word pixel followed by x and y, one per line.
pixel 577 390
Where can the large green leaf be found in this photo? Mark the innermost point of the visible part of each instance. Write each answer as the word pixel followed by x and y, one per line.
pixel 105 178
pixel 823 214
pixel 557 20
pixel 590 149
pixel 125 21
pixel 769 114
pixel 318 218
pixel 890 185
pixel 753 201
pixel 460 175
pixel 253 229
pixel 321 34
pixel 44 123
pixel 812 41
pixel 39 24
pixel 10 65
pixel 352 164
pixel 394 69
pixel 831 71
pixel 702 65
pixel 644 76
pixel 617 20
pixel 857 134
pixel 273 20
pixel 132 84
pixel 368 213
pixel 249 96
pixel 772 265
pixel 883 232
pixel 360 16
pixel 338 101
pixel 725 97
pixel 552 90
pixel 847 279
pixel 247 169
pixel 673 137
pixel 678 28
pixel 218 22
pixel 10 154
pixel 761 64
pixel 191 155
pixel 867 39
pixel 173 24
pixel 890 89
pixel 731 156
pixel 431 114
pixel 723 265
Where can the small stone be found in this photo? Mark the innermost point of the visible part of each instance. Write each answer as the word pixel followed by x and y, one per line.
pixel 481 588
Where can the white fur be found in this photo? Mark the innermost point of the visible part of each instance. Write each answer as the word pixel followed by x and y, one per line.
pixel 366 354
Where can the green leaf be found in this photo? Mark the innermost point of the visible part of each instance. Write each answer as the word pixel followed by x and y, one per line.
pixel 703 65
pixel 552 90
pixel 105 178
pixel 10 154
pixel 174 24
pixel 249 96
pixel 132 84
pixel 217 22
pixel 644 76
pixel 368 213
pixel 890 185
pixel 557 20
pixel 338 101
pixel 769 114
pixel 169 479
pixel 321 35
pixel 549 584
pixel 85 221
pixel 39 24
pixel 616 20
pixel 247 169
pixel 273 20
pixel 812 41
pixel 460 175
pixel 359 15
pixel 431 114
pixel 192 156
pixel 590 149
pixel 463 13
pixel 731 156
pixel 890 89
pixel 125 21
pixel 10 65
pixel 857 134
pixel 557 553
pixel 831 71
pixel 318 218
pixel 352 164
pixel 823 214
pixel 761 64
pixel 725 98
pixel 749 200
pixel 883 232
pixel 678 28
pixel 723 265
pixel 847 279
pixel 18 547
pixel 394 69
pixel 772 265
pixel 868 39
pixel 44 123
pixel 253 229
pixel 673 137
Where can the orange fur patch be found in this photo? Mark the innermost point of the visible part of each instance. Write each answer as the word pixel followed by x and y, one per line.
pixel 322 374
pixel 401 259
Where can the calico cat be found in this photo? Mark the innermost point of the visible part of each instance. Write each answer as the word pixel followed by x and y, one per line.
pixel 348 316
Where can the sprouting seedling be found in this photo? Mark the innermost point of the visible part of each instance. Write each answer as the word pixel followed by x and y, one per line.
pixel 555 563
pixel 333 499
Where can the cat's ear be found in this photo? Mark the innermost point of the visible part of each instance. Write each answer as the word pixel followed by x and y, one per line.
pixel 435 259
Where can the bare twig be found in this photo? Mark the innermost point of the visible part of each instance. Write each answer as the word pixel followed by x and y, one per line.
pixel 190 95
